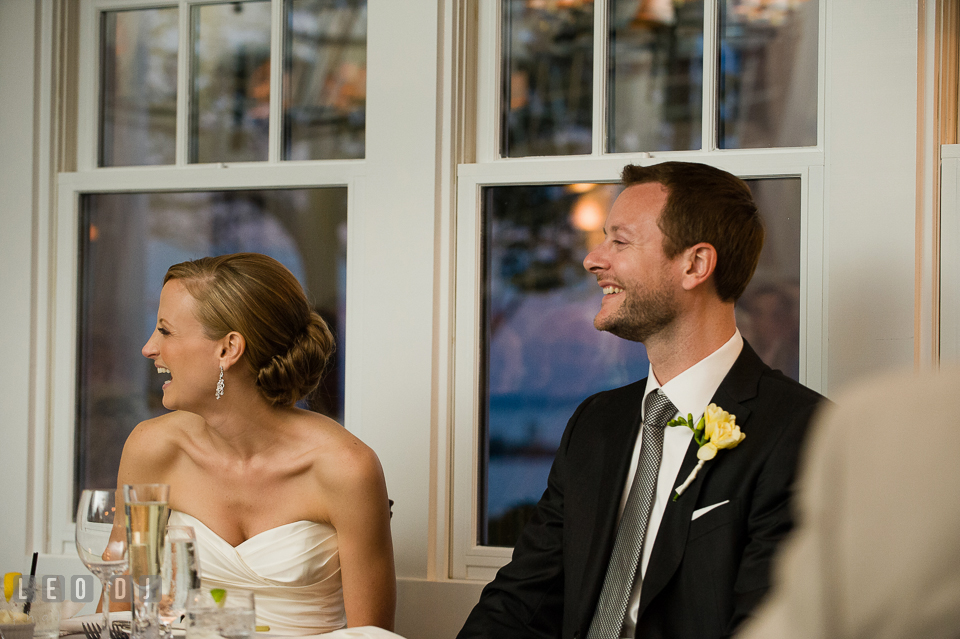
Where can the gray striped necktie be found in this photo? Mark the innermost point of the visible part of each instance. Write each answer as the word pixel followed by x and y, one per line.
pixel 624 563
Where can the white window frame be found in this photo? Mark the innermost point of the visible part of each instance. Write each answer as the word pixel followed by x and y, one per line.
pixel 949 257
pixel 469 560
pixel 61 290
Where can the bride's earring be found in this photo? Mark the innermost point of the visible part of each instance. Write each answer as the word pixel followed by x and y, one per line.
pixel 220 384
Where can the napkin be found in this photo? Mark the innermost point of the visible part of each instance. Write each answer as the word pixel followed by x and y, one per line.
pixel 70 608
pixel 72 625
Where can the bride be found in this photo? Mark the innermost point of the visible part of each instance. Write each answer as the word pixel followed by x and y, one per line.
pixel 285 502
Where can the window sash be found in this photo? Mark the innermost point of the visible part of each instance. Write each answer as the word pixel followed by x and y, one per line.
pixel 89 80
pixel 64 309
pixel 489 83
pixel 470 560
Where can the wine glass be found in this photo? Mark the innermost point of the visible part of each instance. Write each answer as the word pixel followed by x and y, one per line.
pixel 101 544
pixel 179 574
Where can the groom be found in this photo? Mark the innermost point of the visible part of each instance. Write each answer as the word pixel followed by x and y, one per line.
pixel 609 552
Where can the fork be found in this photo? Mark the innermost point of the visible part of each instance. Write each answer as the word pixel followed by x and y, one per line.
pixel 91 630
pixel 94 630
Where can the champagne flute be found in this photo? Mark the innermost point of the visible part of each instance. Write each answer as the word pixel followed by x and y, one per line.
pixel 101 542
pixel 179 574
pixel 147 512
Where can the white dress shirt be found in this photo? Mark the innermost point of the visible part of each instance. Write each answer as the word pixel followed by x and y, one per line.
pixel 691 392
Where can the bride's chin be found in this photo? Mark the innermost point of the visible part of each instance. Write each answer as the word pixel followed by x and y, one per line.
pixel 168 402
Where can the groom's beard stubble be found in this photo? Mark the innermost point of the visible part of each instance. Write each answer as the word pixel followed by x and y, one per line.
pixel 641 315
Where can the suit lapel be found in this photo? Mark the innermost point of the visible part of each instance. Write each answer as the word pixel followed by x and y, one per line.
pixel 618 447
pixel 739 385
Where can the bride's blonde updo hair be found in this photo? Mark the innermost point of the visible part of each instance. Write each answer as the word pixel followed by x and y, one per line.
pixel 287 343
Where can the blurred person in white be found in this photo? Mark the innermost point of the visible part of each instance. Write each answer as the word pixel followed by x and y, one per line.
pixel 876 551
pixel 285 502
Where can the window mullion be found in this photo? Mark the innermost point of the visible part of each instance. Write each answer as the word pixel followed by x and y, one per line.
pixel 599 77
pixel 275 136
pixel 711 63
pixel 489 98
pixel 88 88
pixel 184 64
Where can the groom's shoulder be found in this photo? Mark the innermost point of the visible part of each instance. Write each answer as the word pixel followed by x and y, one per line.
pixel 773 385
pixel 751 377
pixel 614 405
pixel 785 402
pixel 630 393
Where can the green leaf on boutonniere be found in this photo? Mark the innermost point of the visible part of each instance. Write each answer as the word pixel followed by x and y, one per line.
pixel 716 430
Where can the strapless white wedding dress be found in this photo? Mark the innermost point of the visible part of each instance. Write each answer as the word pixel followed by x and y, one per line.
pixel 293 571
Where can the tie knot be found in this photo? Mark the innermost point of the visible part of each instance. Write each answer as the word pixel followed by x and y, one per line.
pixel 659 409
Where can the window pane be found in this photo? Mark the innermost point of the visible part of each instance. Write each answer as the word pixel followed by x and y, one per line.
pixel 655 89
pixel 768 74
pixel 542 355
pixel 138 99
pixel 325 79
pixel 547 90
pixel 128 240
pixel 230 104
pixel 768 313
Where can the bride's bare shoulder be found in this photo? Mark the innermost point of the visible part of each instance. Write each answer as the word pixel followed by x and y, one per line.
pixel 339 456
pixel 154 445
pixel 171 426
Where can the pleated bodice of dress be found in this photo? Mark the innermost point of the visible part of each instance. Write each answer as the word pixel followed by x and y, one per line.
pixel 293 571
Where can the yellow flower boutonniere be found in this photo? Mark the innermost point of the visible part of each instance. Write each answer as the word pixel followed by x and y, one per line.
pixel 717 429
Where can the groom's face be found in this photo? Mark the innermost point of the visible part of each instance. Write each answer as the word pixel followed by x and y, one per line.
pixel 639 282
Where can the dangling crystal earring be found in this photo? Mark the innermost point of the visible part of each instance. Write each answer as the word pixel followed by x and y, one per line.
pixel 220 384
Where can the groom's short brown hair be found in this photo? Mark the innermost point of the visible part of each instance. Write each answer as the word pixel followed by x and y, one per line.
pixel 706 204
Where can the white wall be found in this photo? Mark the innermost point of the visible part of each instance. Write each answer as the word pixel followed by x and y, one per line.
pixel 16 252
pixel 23 206
pixel 870 175
pixel 398 204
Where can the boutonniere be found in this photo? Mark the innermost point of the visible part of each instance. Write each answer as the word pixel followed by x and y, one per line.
pixel 716 429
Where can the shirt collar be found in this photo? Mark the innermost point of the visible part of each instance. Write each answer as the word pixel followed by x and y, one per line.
pixel 692 390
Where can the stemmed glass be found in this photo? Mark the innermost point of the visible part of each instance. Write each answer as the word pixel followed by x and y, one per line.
pixel 179 574
pixel 147 512
pixel 101 545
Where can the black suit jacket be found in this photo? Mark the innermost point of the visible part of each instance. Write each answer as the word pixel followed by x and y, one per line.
pixel 704 575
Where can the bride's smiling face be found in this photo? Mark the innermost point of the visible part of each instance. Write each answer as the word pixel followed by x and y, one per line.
pixel 182 352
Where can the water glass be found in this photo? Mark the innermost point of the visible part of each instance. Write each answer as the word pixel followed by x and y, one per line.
pixel 179 574
pixel 213 613
pixel 43 607
pixel 16 631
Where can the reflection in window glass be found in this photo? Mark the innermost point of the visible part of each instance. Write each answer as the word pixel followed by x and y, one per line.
pixel 768 74
pixel 768 312
pixel 230 103
pixel 128 240
pixel 325 79
pixel 547 90
pixel 655 92
pixel 542 355
pixel 138 98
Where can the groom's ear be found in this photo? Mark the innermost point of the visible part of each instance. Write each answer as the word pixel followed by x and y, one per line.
pixel 698 263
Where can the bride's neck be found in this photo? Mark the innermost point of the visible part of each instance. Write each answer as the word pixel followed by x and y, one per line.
pixel 247 426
